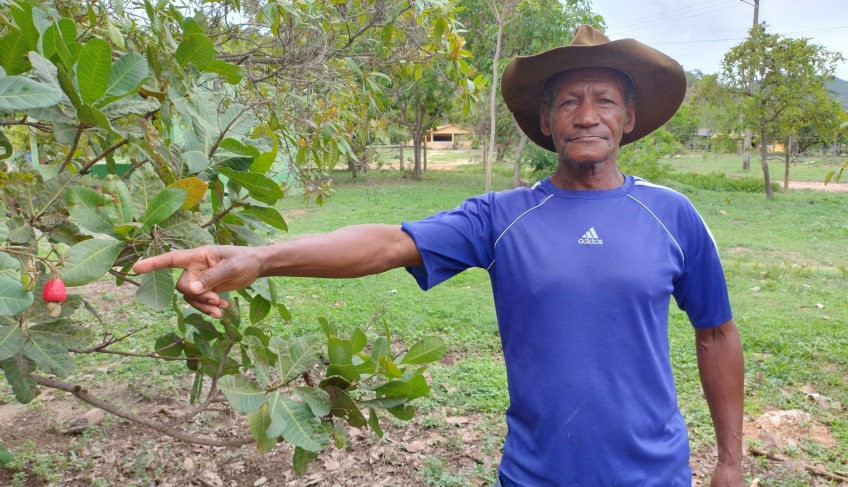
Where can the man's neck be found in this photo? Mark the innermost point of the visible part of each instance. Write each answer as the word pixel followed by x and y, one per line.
pixel 587 178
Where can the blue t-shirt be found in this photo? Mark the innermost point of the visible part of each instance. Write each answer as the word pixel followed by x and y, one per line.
pixel 581 281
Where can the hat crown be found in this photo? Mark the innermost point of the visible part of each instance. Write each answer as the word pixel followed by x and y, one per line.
pixel 586 35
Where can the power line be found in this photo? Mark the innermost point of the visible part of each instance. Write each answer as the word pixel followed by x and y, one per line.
pixel 698 12
pixel 660 14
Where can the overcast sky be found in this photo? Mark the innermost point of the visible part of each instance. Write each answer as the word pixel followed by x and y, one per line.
pixel 697 33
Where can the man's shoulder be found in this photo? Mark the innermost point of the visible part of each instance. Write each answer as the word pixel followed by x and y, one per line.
pixel 658 193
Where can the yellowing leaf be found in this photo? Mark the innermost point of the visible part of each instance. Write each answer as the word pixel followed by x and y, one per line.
pixel 195 190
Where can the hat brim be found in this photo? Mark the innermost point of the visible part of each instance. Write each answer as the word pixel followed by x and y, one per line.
pixel 659 81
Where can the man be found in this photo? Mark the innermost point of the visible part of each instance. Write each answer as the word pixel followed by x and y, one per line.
pixel 582 267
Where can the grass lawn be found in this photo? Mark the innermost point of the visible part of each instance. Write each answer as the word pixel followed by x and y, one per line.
pixel 808 168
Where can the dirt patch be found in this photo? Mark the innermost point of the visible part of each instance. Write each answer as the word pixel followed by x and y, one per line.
pixel 817 186
pixel 120 452
pixel 779 429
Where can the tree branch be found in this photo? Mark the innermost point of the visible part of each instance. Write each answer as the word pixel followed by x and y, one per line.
pixel 73 149
pixel 105 153
pixel 218 217
pixel 124 277
pixel 86 397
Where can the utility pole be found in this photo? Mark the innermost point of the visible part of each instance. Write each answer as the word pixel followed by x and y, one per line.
pixel 746 155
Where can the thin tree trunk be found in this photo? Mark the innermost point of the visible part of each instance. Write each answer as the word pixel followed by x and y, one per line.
pixel 493 96
pixel 746 151
pixel 400 149
pixel 786 164
pixel 764 160
pixel 516 169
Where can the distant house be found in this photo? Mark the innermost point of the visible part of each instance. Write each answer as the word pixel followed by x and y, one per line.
pixel 448 136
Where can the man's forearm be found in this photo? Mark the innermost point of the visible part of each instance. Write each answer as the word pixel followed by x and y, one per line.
pixel 722 369
pixel 352 251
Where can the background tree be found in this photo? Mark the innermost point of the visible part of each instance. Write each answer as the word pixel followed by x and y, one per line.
pixel 789 77
pixel 192 115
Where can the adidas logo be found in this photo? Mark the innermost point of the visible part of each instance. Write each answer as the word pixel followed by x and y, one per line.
pixel 590 238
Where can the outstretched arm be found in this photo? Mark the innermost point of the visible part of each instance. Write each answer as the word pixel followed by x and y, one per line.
pixel 722 369
pixel 353 251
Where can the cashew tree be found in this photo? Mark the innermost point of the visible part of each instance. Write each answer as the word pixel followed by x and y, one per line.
pixel 156 126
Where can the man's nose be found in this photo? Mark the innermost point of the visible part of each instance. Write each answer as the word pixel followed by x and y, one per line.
pixel 586 115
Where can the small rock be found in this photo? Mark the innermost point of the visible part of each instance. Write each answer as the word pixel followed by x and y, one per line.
pixel 94 416
pixel 722 212
pixel 188 464
pixel 756 288
pixel 415 446
pixel 260 481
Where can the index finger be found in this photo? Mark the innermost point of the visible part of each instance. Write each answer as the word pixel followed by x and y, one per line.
pixel 180 259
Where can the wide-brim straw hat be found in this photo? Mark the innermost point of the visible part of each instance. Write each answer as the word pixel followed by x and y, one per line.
pixel 659 80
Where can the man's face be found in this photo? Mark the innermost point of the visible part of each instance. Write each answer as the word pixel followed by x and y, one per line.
pixel 588 115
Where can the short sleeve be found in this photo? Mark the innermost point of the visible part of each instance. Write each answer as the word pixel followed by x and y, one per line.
pixel 451 241
pixel 701 291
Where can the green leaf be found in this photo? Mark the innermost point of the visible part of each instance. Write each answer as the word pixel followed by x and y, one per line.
pixel 13 51
pixel 259 421
pixel 93 67
pixel 11 341
pixel 283 311
pixel 301 355
pixel 259 309
pixel 383 402
pixel 257 185
pixel 64 332
pixel 50 356
pixel 229 71
pixel 13 298
pixel 244 396
pixel 22 13
pixel 344 407
pixel 144 185
pixel 163 205
pixel 67 86
pixel 19 93
pixel 301 459
pixel 296 423
pixel 358 340
pixel 90 259
pixel 53 44
pixel 257 354
pixel 121 198
pixel 418 387
pixel 156 289
pixel 268 215
pixel 5 456
pixel 395 388
pixel 54 188
pixel 403 413
pixel 126 76
pixel 380 348
pixel 430 349
pixel 317 399
pixel 195 48
pixel 94 117
pixel 17 371
pixel 115 35
pixel 374 423
pixel 340 351
pixel 87 207
pixel 20 231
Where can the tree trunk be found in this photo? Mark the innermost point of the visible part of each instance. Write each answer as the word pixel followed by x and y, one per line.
pixel 493 97
pixel 351 165
pixel 425 155
pixel 516 169
pixel 417 136
pixel 400 149
pixel 786 164
pixel 746 151
pixel 764 160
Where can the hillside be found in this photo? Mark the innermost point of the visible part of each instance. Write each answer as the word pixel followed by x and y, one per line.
pixel 840 87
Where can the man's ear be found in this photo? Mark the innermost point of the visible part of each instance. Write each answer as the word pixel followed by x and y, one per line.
pixel 630 117
pixel 544 119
